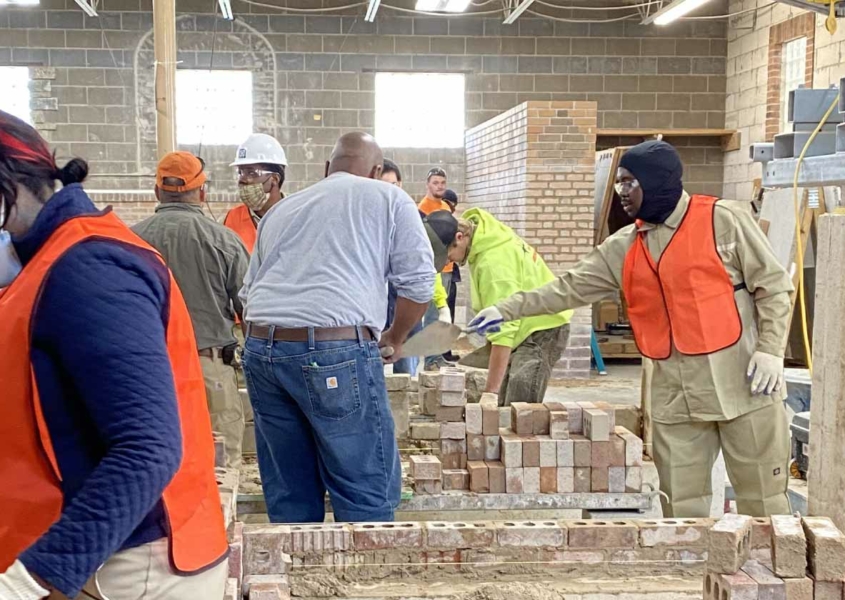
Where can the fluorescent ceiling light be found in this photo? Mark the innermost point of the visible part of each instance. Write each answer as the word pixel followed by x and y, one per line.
pixel 674 11
pixel 372 9
pixel 226 9
pixel 452 6
pixel 88 6
pixel 18 2
pixel 515 13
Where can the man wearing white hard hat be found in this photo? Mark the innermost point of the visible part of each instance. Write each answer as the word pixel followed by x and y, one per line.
pixel 260 164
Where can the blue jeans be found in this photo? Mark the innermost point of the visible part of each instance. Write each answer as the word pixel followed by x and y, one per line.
pixel 407 364
pixel 323 417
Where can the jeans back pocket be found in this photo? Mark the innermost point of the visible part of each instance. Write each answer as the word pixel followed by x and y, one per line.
pixel 333 389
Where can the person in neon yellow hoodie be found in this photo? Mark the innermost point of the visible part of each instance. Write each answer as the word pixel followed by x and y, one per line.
pixel 523 352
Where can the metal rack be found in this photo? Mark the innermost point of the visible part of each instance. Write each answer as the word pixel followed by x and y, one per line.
pixel 816 171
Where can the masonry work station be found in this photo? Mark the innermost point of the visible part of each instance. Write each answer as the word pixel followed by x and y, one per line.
pixel 405 299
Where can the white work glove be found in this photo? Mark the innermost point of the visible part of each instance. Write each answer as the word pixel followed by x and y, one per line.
pixel 487 321
pixel 443 314
pixel 767 371
pixel 17 584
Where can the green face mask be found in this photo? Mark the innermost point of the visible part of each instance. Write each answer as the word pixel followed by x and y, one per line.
pixel 253 195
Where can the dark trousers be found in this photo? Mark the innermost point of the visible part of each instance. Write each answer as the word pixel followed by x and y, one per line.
pixel 531 364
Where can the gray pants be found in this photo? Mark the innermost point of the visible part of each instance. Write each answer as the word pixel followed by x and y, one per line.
pixel 530 366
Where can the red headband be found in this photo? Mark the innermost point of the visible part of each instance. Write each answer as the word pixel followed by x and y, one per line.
pixel 16 149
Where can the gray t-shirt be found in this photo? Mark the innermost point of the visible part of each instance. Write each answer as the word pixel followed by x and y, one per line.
pixel 324 256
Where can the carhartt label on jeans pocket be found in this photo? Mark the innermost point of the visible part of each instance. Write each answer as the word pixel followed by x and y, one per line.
pixel 331 383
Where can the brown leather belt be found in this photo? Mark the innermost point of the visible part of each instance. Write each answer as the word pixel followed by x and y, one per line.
pixel 300 334
pixel 207 352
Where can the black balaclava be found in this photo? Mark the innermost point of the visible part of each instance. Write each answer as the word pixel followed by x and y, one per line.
pixel 658 168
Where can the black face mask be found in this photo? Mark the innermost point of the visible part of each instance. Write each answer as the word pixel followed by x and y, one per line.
pixel 658 168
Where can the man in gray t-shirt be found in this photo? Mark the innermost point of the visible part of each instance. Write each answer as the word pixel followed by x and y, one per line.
pixel 315 300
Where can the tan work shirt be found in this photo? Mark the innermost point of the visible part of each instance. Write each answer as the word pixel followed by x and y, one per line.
pixel 711 387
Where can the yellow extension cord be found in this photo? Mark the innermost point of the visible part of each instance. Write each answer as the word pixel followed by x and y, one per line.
pixel 800 249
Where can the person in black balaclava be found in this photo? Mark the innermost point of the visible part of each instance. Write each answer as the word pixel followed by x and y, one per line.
pixel 649 181
pixel 711 315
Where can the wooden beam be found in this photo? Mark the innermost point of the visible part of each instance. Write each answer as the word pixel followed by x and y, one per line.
pixel 730 138
pixel 164 34
pixel 827 421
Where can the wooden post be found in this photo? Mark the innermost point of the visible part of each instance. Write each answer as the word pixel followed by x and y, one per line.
pixel 164 34
pixel 827 422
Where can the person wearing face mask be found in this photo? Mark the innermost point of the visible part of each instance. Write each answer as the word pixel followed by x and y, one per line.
pixel 107 442
pixel 261 164
pixel 209 262
pixel 315 308
pixel 520 356
pixel 709 305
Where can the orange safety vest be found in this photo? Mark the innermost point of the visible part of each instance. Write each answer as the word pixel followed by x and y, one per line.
pixel 687 298
pixel 32 499
pixel 240 221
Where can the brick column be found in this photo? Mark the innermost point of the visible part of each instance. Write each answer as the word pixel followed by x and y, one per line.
pixel 532 167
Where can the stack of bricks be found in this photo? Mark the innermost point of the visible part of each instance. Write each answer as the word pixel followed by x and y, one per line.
pixel 569 448
pixel 806 561
pixel 547 448
pixel 399 394
pixel 426 474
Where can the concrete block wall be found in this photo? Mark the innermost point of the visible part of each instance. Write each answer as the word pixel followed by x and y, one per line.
pixel 533 167
pixel 314 77
pixel 748 81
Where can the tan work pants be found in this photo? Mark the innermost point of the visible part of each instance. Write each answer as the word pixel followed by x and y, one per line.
pixel 224 404
pixel 756 450
pixel 144 572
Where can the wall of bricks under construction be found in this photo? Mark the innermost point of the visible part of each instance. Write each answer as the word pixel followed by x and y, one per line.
pixel 533 168
pixel 314 78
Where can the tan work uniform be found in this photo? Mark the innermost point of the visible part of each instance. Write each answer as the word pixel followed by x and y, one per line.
pixel 701 403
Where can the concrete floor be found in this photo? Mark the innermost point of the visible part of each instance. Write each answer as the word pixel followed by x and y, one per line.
pixel 621 385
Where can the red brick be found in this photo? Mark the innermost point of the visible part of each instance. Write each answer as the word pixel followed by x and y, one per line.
pixel 826 545
pixel 531 480
pixel 496 476
pixel 603 534
pixel 582 451
pixel 522 418
pixel 449 414
pixel 460 535
pixel 492 447
pixel 599 479
pixel 737 586
pixel 531 534
pixel 675 532
pixel 582 480
pixel 479 481
pixel 489 420
pixel 264 547
pixel 729 544
pixel 600 455
pixel 424 466
pixel 474 419
pixel 453 461
pixel 387 536
pixel 530 452
pixel 475 447
pixel 455 479
pixel 761 533
pixel 540 419
pixel 514 480
pixel 789 547
pixel 511 449
pixel 548 480
pixel 596 425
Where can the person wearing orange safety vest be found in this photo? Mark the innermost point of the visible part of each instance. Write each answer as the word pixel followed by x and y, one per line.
pixel 709 305
pixel 260 163
pixel 107 459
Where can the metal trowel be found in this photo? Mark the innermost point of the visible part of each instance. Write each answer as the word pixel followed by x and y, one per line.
pixel 437 338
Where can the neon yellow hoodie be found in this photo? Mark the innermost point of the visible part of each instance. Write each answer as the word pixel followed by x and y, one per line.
pixel 501 264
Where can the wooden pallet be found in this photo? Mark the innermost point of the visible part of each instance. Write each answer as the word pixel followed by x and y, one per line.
pixel 617 346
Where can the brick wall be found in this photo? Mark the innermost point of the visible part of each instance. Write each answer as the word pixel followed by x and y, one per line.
pixel 314 76
pixel 750 38
pixel 532 167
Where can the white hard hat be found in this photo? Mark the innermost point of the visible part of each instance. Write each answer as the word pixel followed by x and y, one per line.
pixel 260 148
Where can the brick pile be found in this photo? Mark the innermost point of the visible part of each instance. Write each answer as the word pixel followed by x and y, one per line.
pixel 525 448
pixel 806 562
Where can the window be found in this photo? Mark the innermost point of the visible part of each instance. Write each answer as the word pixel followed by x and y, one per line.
pixel 15 96
pixel 213 107
pixel 420 110
pixel 792 75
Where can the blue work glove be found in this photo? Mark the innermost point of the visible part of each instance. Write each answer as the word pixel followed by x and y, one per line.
pixel 487 321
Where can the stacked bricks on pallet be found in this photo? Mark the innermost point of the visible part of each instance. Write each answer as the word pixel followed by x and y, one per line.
pixel 526 448
pixel 795 543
